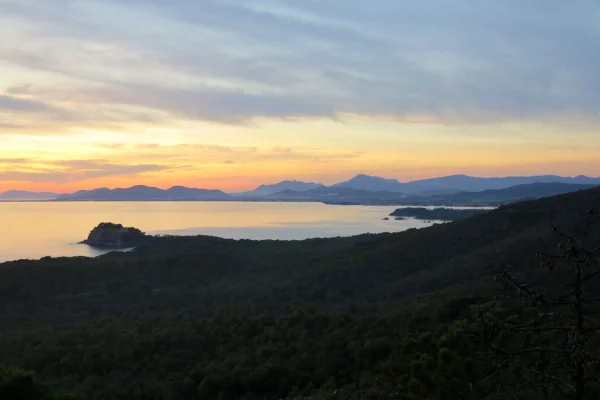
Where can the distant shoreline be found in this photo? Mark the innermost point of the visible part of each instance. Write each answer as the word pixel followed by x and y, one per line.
pixel 372 204
pixel 298 192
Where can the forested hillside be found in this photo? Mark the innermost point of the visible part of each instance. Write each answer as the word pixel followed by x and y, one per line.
pixel 372 316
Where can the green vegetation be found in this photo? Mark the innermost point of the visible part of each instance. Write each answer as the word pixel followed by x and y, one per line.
pixel 16 384
pixel 114 236
pixel 410 315
pixel 438 214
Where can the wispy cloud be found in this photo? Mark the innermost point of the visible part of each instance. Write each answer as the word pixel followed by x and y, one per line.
pixel 211 154
pixel 75 171
pixel 17 105
pixel 157 91
pixel 202 103
pixel 238 60
pixel 15 160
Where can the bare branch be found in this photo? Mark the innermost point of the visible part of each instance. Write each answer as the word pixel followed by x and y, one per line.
pixel 559 319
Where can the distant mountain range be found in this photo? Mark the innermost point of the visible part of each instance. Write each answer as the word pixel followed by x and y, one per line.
pixel 296 186
pixel 346 195
pixel 340 195
pixel 456 183
pixel 496 197
pixel 145 193
pixel 362 189
pixel 20 195
pixel 372 184
pixel 474 184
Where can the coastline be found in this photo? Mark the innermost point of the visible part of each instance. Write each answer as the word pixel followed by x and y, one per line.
pixel 329 203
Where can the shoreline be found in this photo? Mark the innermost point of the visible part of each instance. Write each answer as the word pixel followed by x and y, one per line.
pixel 341 203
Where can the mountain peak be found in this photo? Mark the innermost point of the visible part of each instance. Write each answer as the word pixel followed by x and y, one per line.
pixel 141 187
pixel 293 185
pixel 365 176
pixel 178 187
pixel 372 184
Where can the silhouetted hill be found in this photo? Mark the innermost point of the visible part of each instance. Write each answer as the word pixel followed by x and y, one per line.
pixel 347 195
pixel 296 186
pixel 455 183
pixel 438 214
pixel 362 189
pixel 512 194
pixel 115 236
pixel 339 194
pixel 145 193
pixel 474 184
pixel 203 317
pixel 371 184
pixel 185 193
pixel 21 195
pixel 454 250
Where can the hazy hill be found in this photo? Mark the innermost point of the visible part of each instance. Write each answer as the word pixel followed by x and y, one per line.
pixel 362 189
pixel 371 184
pixel 202 317
pixel 336 194
pixel 475 184
pixel 296 186
pixel 511 233
pixel 512 194
pixel 185 193
pixel 20 195
pixel 333 194
pixel 145 193
pixel 437 214
pixel 455 183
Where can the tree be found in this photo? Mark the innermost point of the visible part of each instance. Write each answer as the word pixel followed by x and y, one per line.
pixel 17 384
pixel 547 349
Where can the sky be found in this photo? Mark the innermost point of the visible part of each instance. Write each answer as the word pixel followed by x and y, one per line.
pixel 229 94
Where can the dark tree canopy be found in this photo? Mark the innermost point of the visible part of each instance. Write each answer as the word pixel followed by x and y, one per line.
pixel 390 316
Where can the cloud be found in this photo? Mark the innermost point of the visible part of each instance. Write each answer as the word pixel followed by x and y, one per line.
pixel 197 155
pixel 110 146
pixel 312 155
pixel 15 160
pixel 173 162
pixel 36 110
pixel 16 104
pixel 76 170
pixel 210 153
pixel 226 106
pixel 235 61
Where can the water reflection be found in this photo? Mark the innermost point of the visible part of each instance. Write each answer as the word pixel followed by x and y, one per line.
pixel 35 230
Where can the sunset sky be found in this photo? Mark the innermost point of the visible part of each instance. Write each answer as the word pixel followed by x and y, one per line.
pixel 233 93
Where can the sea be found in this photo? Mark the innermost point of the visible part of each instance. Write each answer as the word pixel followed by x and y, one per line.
pixel 31 230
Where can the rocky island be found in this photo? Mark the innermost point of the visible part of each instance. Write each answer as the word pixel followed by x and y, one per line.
pixel 438 214
pixel 109 235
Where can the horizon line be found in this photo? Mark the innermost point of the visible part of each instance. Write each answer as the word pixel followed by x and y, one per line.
pixel 307 182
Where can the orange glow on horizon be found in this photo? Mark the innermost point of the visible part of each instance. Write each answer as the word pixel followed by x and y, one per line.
pixel 241 183
pixel 240 158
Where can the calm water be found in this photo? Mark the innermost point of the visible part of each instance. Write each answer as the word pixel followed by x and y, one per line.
pixel 34 230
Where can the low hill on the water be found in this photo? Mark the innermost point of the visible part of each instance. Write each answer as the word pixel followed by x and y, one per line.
pixel 115 236
pixel 440 214
pixel 209 318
